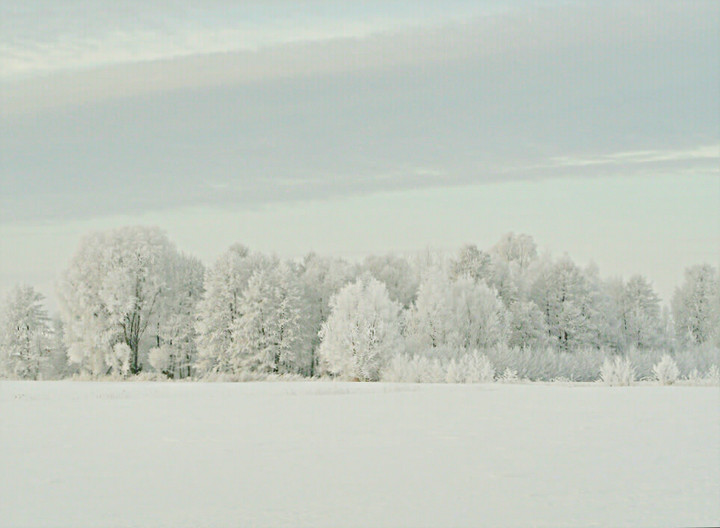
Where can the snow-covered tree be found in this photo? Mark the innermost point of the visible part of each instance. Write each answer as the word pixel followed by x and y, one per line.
pixel 57 366
pixel 610 314
pixel 484 267
pixel 321 278
pixel 459 314
pixel 564 294
pixel 362 332
pixel 112 293
pixel 527 326
pixel 24 333
pixel 696 306
pixel 175 348
pixel 220 307
pixel 270 335
pixel 519 250
pixel 480 319
pixel 397 275
pixel 641 322
pixel 472 262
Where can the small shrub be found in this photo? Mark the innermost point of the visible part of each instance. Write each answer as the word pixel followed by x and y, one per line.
pixel 666 371
pixel 618 371
pixel 477 368
pixel 713 375
pixel 509 376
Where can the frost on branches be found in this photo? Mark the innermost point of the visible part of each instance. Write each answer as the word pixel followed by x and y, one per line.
pixel 25 334
pixel 113 293
pixel 362 332
pixel 129 301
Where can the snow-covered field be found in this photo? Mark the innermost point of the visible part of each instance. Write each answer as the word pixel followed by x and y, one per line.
pixel 82 454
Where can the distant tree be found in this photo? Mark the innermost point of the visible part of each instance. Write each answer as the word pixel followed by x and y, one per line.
pixel 519 250
pixel 696 306
pixel 472 262
pixel 527 326
pixel 57 366
pixel 24 337
pixel 175 348
pixel 221 307
pixel 269 335
pixel 321 278
pixel 429 321
pixel 484 267
pixel 362 332
pixel 563 293
pixel 112 293
pixel 641 322
pixel 456 313
pixel 397 275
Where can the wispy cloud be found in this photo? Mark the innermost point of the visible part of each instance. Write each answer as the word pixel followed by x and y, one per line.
pixel 355 104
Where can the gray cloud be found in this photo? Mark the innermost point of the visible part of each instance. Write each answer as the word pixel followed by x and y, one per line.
pixel 535 93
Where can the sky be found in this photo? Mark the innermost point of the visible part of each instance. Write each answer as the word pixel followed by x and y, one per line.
pixel 351 128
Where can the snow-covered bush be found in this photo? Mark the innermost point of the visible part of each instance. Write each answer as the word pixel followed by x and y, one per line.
pixel 471 367
pixel 118 358
pixel 509 376
pixel 714 374
pixel 547 364
pixel 477 368
pixel 700 358
pixel 453 372
pixel 618 371
pixel 666 371
pixel 162 358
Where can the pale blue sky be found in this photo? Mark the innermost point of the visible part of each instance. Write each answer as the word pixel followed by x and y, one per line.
pixel 291 126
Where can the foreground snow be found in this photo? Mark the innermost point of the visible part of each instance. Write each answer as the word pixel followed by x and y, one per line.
pixel 332 454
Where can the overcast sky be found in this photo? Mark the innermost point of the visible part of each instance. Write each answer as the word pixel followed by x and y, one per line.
pixel 356 127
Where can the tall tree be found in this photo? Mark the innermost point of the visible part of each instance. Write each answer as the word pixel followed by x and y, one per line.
pixel 519 250
pixel 696 306
pixel 175 350
pixel 221 307
pixel 641 322
pixel 397 275
pixel 456 313
pixel 24 333
pixel 321 278
pixel 270 336
pixel 112 293
pixel 564 294
pixel 362 332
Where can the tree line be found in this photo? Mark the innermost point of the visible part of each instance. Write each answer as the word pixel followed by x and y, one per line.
pixel 131 302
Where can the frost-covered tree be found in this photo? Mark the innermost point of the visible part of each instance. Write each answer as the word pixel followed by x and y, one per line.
pixel 175 348
pixel 484 267
pixel 610 314
pixel 57 366
pixel 270 335
pixel 472 262
pixel 527 326
pixel 362 332
pixel 321 278
pixel 24 333
pixel 397 275
pixel 641 322
pixel 480 319
pixel 112 293
pixel 519 250
pixel 696 306
pixel 564 294
pixel 459 314
pixel 220 307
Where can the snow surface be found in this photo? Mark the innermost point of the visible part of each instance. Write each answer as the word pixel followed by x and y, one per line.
pixel 81 454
